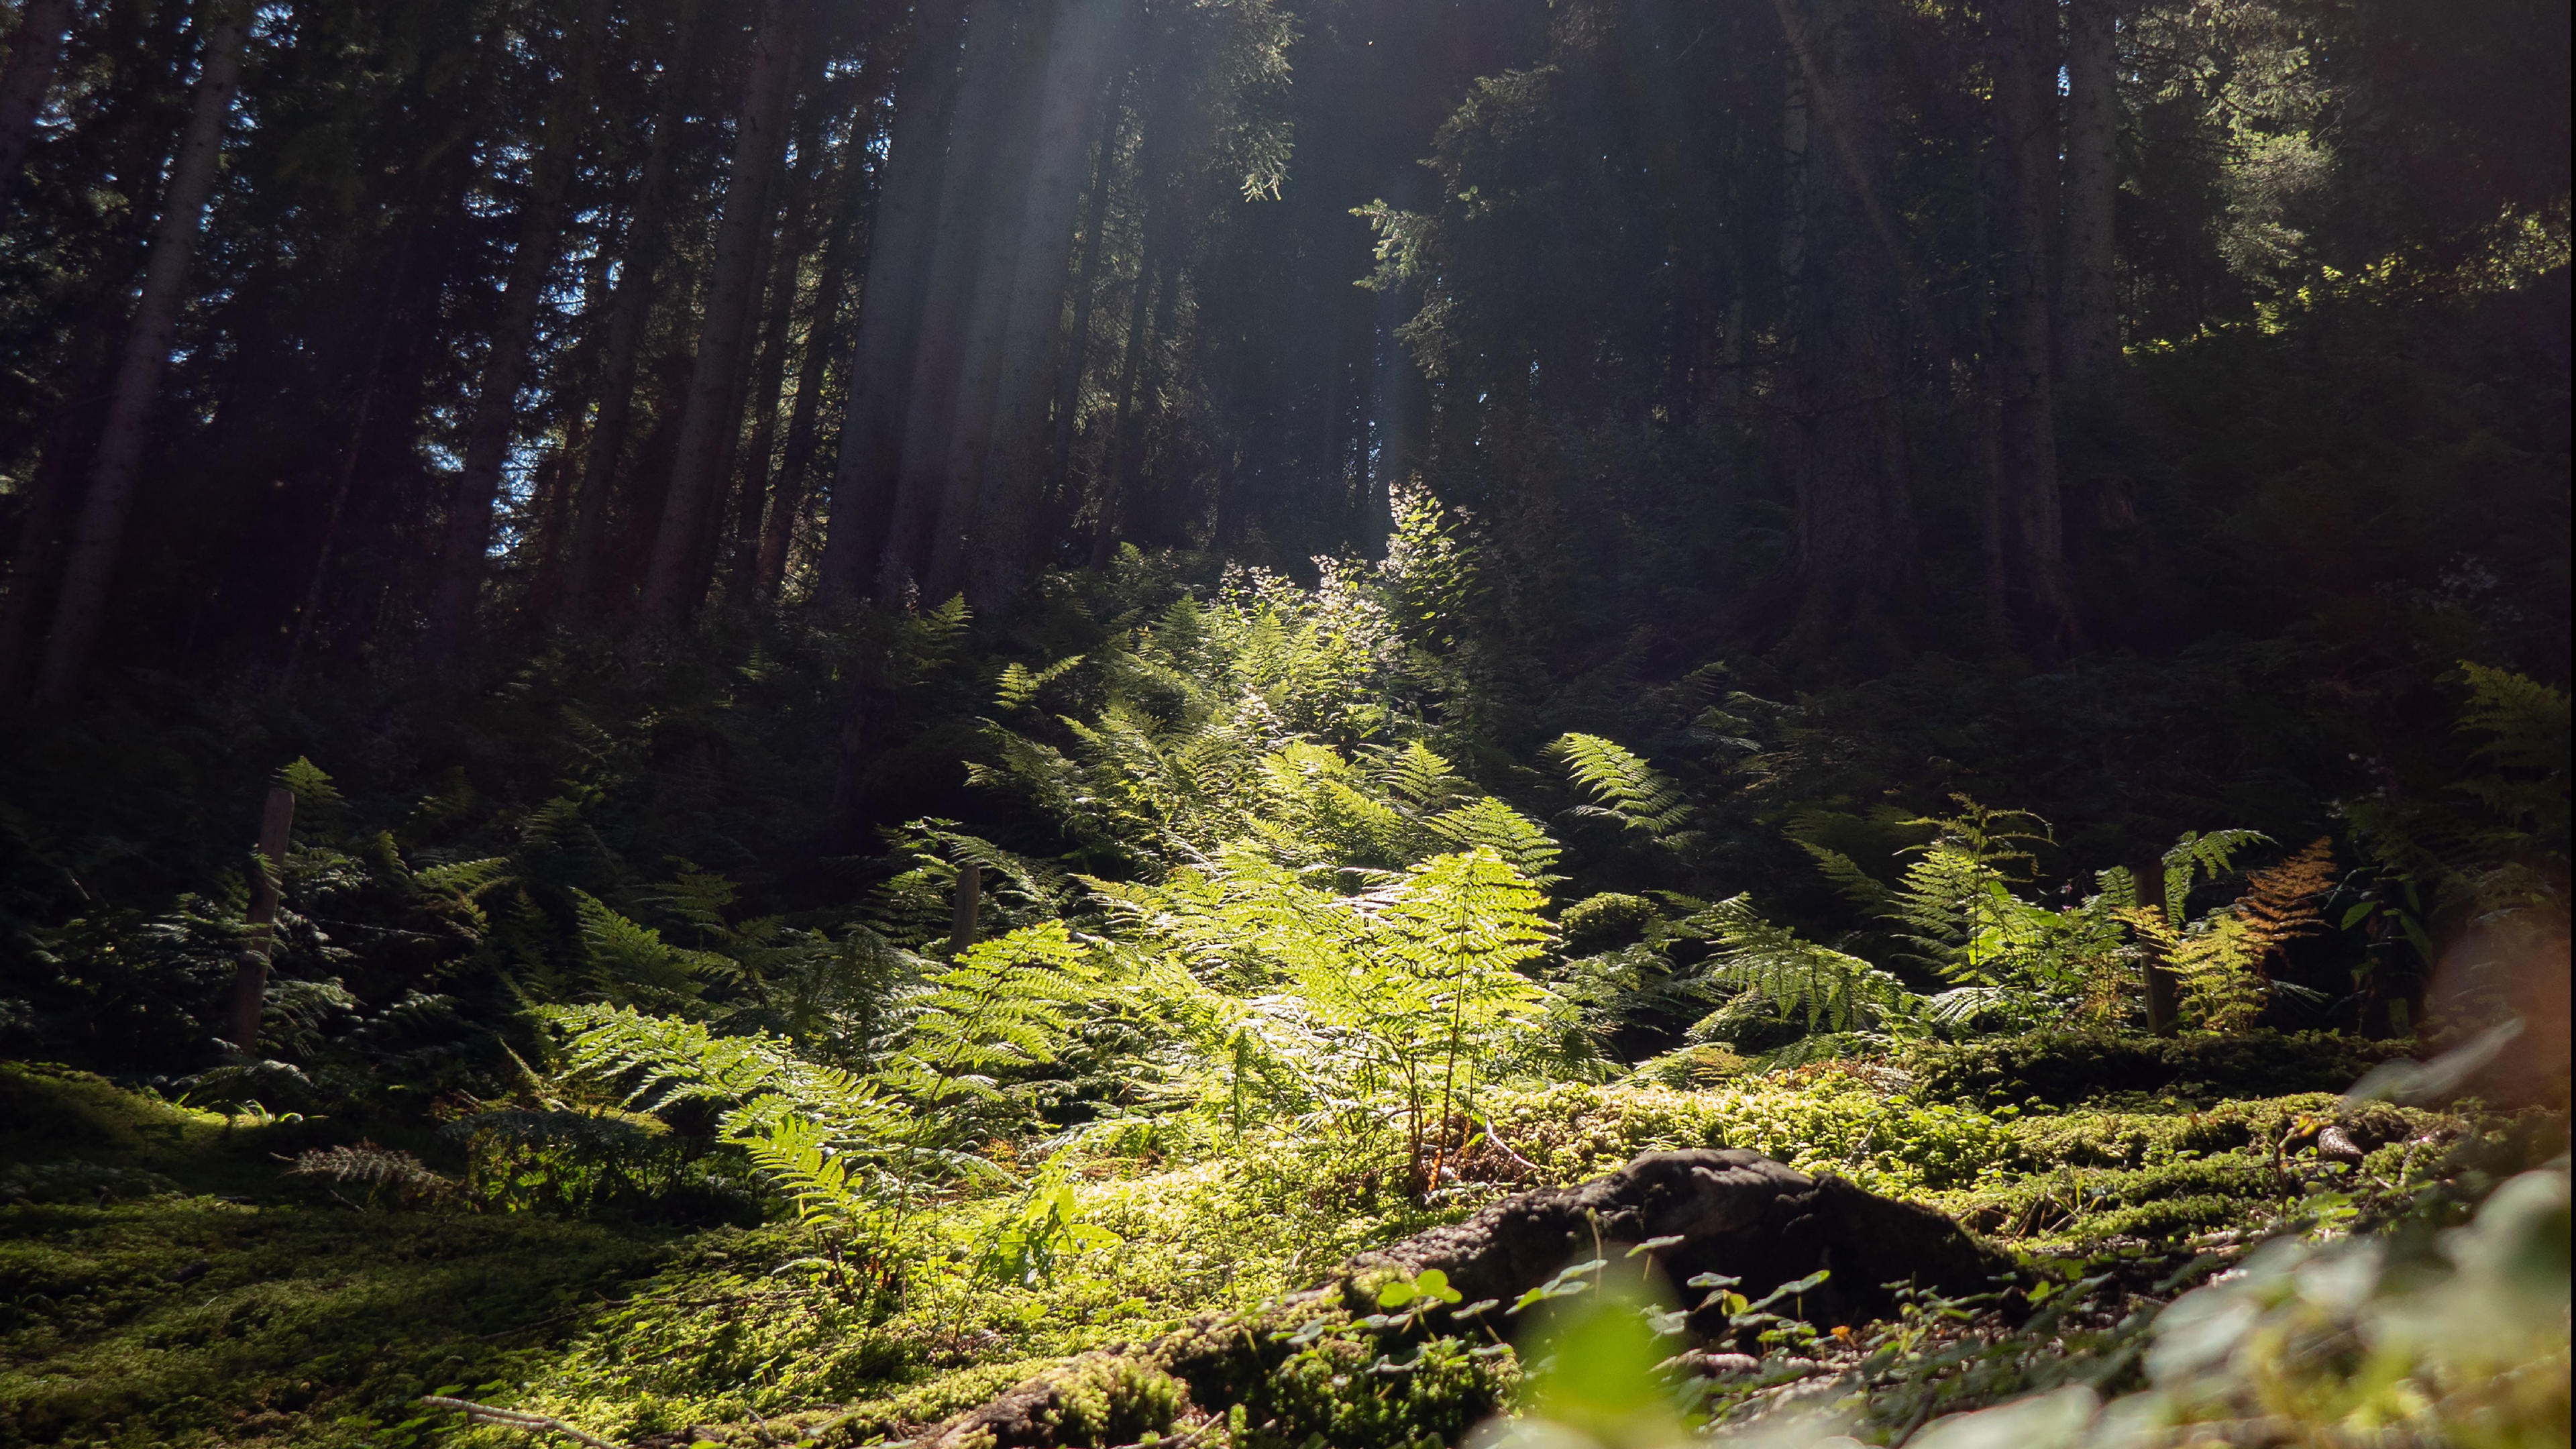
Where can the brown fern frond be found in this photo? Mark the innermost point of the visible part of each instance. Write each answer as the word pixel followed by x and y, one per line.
pixel 396 1175
pixel 2281 904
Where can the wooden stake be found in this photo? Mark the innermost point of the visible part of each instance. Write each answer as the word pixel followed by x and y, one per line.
pixel 2162 1005
pixel 970 896
pixel 250 978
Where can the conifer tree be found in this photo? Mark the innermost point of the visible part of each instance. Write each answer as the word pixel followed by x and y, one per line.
pixel 98 540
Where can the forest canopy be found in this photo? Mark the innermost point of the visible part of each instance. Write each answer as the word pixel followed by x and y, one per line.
pixel 1098 722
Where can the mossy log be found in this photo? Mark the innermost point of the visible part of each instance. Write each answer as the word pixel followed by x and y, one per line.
pixel 1721 1210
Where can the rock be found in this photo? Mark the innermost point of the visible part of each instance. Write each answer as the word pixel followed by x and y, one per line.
pixel 1733 1212
pixel 1737 1212
pixel 2334 1144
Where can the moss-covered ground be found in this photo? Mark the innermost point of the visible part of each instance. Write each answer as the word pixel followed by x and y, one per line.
pixel 162 1283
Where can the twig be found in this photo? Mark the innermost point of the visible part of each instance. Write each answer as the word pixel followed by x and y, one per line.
pixel 1496 1138
pixel 515 1419
pixel 1185 1441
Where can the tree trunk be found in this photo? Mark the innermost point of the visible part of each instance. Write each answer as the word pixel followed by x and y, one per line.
pixel 1855 519
pixel 311 608
pixel 1077 348
pixel 951 465
pixel 1109 506
pixel 803 204
pixel 2162 996
pixel 903 238
pixel 735 474
pixel 760 126
pixel 496 404
pixel 967 198
pixel 1085 36
pixel 629 316
pixel 2088 315
pixel 742 575
pixel 813 371
pixel 813 375
pixel 98 540
pixel 2023 51
pixel 34 51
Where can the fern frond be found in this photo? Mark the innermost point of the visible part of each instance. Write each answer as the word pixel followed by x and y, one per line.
pixel 1857 885
pixel 1416 776
pixel 2197 857
pixel 632 962
pixel 462 881
pixel 1489 824
pixel 1629 791
pixel 1835 991
pixel 1019 685
pixel 2283 902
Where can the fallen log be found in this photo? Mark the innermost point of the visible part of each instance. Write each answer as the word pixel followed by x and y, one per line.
pixel 1722 1210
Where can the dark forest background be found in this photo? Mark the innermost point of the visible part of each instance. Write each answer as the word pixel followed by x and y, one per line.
pixel 573 415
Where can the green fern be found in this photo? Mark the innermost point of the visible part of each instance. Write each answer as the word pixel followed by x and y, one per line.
pixel 1629 792
pixel 1003 1006
pixel 1489 824
pixel 2197 857
pixel 632 963
pixel 1019 685
pixel 1793 976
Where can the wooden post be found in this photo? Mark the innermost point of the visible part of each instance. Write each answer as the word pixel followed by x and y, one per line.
pixel 2162 1012
pixel 250 979
pixel 970 896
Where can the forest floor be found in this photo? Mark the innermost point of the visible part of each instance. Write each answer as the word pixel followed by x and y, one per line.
pixel 162 1281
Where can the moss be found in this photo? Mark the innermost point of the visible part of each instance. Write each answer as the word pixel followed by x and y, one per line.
pixel 1605 922
pixel 1103 1399
pixel 196 1321
pixel 320 1325
pixel 875 1420
pixel 1819 1119
pixel 2071 1067
pixel 1689 1067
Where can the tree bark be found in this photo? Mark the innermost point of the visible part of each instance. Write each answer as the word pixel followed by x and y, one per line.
pixel 2163 996
pixel 742 584
pixel 966 200
pixel 629 316
pixel 903 237
pixel 496 403
pixel 952 463
pixel 1086 35
pixel 34 52
pixel 1077 347
pixel 760 125
pixel 2088 315
pixel 2023 50
pixel 734 476
pixel 1855 528
pixel 803 204
pixel 99 538
pixel 813 375
pixel 1109 507
pixel 311 608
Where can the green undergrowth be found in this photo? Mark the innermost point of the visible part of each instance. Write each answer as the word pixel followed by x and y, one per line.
pixel 2064 1067
pixel 760 1328
pixel 161 1284
pixel 148 1308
